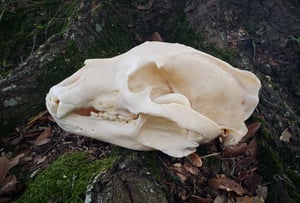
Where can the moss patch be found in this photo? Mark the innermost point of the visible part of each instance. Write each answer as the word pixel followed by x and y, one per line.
pixel 66 179
pixel 25 25
pixel 280 179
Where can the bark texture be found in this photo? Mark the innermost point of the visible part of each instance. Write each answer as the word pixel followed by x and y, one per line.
pixel 129 181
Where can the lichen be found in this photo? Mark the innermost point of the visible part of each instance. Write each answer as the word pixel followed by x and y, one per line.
pixel 66 179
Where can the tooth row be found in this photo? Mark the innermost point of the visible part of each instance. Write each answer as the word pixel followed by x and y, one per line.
pixel 112 117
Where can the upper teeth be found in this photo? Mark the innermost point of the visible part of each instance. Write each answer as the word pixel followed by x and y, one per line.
pixel 112 116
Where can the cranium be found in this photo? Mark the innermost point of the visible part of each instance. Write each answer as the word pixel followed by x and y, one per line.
pixel 157 96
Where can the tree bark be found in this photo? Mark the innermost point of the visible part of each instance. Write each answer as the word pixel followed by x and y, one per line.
pixel 129 181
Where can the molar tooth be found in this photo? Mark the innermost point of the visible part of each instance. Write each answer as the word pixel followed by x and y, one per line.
pixel 110 116
pixel 93 114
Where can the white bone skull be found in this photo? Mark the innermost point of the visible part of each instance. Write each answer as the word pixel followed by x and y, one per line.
pixel 157 96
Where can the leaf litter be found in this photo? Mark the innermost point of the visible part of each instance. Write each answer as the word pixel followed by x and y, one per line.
pixel 224 174
pixel 220 174
pixel 34 146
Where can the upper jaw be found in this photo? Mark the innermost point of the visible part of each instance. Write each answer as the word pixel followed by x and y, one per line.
pixel 59 109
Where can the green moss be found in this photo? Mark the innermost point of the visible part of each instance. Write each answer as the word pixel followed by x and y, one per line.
pixel 274 167
pixel 25 25
pixel 183 33
pixel 66 179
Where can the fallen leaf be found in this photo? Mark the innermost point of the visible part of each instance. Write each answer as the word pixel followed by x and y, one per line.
pixel 235 150
pixel 4 168
pixel 183 194
pixel 252 129
pixel 35 118
pixel 252 148
pixel 6 165
pixel 285 136
pixel 195 159
pixel 247 199
pixel 190 168
pixel 8 186
pixel 145 7
pixel 262 191
pixel 39 159
pixel 225 183
pixel 41 142
pixel 220 199
pixel 156 37
pixel 45 134
pixel 252 181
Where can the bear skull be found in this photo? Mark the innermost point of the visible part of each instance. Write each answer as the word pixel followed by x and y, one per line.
pixel 157 96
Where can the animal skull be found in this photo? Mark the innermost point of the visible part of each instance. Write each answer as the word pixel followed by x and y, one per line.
pixel 157 96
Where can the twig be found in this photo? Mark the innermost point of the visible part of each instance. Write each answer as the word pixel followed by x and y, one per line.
pixel 210 155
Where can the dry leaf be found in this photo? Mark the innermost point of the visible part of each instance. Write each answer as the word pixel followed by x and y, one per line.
pixel 182 177
pixel 156 37
pixel 235 150
pixel 285 136
pixel 252 129
pixel 4 168
pixel 220 199
pixel 145 7
pixel 35 118
pixel 247 199
pixel 262 191
pixel 252 148
pixel 6 165
pixel 225 183
pixel 195 159
pixel 39 159
pixel 41 142
pixel 190 168
pixel 45 134
pixel 252 182
pixel 8 186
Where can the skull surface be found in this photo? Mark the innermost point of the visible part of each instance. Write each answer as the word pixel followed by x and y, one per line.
pixel 157 96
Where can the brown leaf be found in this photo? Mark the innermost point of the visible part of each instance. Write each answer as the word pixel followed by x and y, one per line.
pixel 225 183
pixel 235 150
pixel 156 37
pixel 45 134
pixel 145 7
pixel 4 168
pixel 247 199
pixel 35 118
pixel 285 136
pixel 195 159
pixel 39 159
pixel 9 185
pixel 190 168
pixel 252 181
pixel 220 199
pixel 252 129
pixel 262 192
pixel 252 148
pixel 41 142
pixel 183 194
pixel 6 165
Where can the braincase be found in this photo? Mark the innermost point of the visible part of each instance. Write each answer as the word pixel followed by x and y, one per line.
pixel 213 87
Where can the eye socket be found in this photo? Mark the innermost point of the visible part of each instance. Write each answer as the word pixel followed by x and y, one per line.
pixel 149 76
